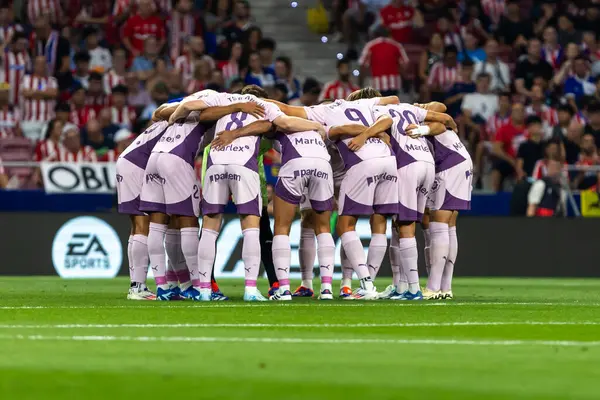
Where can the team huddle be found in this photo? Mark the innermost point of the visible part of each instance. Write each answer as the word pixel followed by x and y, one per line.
pixel 366 156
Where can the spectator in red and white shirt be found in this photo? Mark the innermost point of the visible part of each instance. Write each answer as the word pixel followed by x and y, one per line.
pixel 138 27
pixel 9 115
pixel 400 18
pixel 384 58
pixel 122 139
pixel 116 76
pixel 39 93
pixel 16 62
pixel 444 73
pixel 508 139
pixel 49 147
pixel 538 107
pixel 500 118
pixel 8 27
pixel 50 8
pixel 342 86
pixel 186 64
pixel 95 96
pixel 122 114
pixel 183 24
pixel 231 68
pixel 80 113
pixel 71 149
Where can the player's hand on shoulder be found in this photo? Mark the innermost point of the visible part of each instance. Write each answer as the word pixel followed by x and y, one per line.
pixel 357 142
pixel 254 109
pixel 222 139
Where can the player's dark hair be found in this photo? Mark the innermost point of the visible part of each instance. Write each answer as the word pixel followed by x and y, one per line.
pixel 533 119
pixel 256 91
pixel 120 89
pixel 82 56
pixel 366 93
pixel 95 76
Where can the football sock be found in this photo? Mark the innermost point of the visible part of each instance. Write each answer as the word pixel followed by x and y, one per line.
pixel 440 246
pixel 307 251
pixel 409 257
pixel 156 251
pixel 206 257
pixel 251 255
pixel 282 253
pixel 326 253
pixel 377 248
pixel 139 256
pixel 356 255
pixel 452 254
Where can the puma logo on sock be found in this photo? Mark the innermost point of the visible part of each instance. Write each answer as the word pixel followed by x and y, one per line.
pixel 203 274
pixel 247 269
pixel 282 269
pixel 155 268
pixel 325 266
pixel 372 267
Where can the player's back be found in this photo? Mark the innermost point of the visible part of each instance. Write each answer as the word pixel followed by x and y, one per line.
pixel 448 150
pixel 343 112
pixel 406 149
pixel 308 144
pixel 139 150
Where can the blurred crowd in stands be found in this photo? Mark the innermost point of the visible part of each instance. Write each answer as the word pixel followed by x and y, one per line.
pixel 80 78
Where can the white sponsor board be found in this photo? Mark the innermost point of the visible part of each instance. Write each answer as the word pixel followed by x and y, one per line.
pixel 79 177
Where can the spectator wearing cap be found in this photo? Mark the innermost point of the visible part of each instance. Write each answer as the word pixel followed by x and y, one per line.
pixel 39 92
pixel 508 139
pixel 477 108
pixel 116 75
pixel 82 68
pixel 581 83
pixel 80 112
pixel 311 90
pixel 138 95
pixel 49 147
pixel 8 26
pixel 566 30
pixel 50 44
pixel 9 115
pixel 444 73
pixel 358 18
pixel 100 57
pixel 231 68
pixel 257 75
pixel 72 149
pixel 186 63
pixel 16 62
pixel 94 138
pixel 121 114
pixel 95 96
pixel 159 95
pixel 513 29
pixel 123 138
pixel 530 67
pixel 472 50
pixel 266 49
pixel 497 69
pixel 142 25
pixel 383 59
pixel 342 86
pixel 284 75
pixel 531 150
pixel 183 24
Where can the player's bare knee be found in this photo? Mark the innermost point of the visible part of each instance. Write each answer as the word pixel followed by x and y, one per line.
pixel 186 222
pixel 212 222
pixel 159 218
pixel 141 225
pixel 307 219
pixel 173 223
pixel 322 222
pixel 406 229
pixel 442 216
pixel 378 223
pixel 250 221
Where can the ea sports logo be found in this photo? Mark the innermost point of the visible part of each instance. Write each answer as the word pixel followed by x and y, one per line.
pixel 87 247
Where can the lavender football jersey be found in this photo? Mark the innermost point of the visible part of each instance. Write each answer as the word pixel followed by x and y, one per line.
pixel 448 150
pixel 343 112
pixel 139 150
pixel 406 149
pixel 301 145
pixel 244 150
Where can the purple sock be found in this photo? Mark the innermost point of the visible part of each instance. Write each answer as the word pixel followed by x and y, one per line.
pixel 409 257
pixel 356 254
pixel 206 257
pixel 377 249
pixel 347 269
pixel 130 257
pixel 251 255
pixel 307 251
pixel 326 252
pixel 449 266
pixel 139 256
pixel 282 254
pixel 440 246
pixel 156 250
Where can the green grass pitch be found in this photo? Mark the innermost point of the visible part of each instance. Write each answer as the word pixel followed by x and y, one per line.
pixel 499 339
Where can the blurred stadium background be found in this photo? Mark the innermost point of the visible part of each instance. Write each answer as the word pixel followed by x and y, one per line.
pixel 81 78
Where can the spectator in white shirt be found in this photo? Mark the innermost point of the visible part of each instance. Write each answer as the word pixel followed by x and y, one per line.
pixel 100 57
pixel 496 68
pixel 479 107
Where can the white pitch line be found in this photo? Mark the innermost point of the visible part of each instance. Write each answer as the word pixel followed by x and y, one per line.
pixel 261 325
pixel 217 305
pixel 210 339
